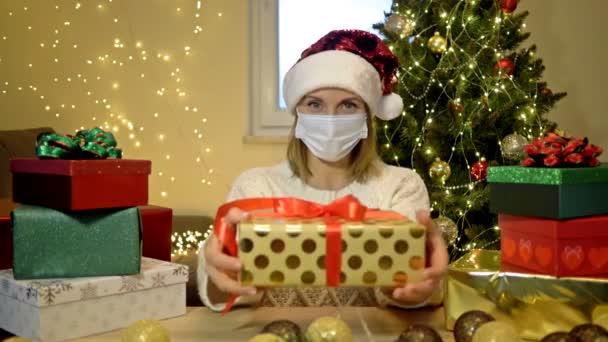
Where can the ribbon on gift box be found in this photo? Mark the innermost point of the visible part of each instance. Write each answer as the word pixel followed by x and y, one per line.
pixel 85 144
pixel 347 207
pixel 559 150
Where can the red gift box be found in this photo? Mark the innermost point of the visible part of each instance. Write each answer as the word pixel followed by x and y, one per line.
pixel 6 243
pixel 563 248
pixel 6 234
pixel 81 184
pixel 157 225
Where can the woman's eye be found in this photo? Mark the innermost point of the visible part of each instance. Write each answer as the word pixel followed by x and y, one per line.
pixel 313 104
pixel 350 105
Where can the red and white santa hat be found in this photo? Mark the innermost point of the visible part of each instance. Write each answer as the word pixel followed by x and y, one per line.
pixel 354 60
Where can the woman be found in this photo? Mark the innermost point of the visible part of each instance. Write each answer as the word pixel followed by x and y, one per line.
pixel 335 89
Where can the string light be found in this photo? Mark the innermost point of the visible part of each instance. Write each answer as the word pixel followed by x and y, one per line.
pixel 189 242
pixel 63 50
pixel 455 60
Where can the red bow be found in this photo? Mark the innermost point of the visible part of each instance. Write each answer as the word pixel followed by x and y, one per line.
pixel 347 207
pixel 556 150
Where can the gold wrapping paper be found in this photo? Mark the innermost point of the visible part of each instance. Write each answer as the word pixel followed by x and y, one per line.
pixel 536 305
pixel 278 252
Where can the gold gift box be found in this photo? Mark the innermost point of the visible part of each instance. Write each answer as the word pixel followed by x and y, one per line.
pixel 283 252
pixel 536 305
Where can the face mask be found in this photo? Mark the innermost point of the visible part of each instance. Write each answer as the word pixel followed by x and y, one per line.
pixel 331 137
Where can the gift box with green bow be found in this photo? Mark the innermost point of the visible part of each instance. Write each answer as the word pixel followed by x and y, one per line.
pixel 80 172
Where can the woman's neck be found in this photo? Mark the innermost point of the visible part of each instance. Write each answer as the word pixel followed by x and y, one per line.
pixel 328 175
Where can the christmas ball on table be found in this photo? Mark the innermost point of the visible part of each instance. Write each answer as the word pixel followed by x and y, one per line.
pixel 145 331
pixel 506 66
pixel 479 170
pixel 437 44
pixel 602 321
pixel 328 329
pixel 398 24
pixel 495 331
pixel 508 6
pixel 448 229
pixel 266 338
pixel 285 329
pixel 419 333
pixel 467 324
pixel 440 171
pixel 559 337
pixel 589 333
pixel 512 147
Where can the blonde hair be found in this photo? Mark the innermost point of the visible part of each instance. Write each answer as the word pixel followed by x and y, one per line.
pixel 364 157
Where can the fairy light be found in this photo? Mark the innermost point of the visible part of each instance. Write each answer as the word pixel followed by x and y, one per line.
pixel 189 241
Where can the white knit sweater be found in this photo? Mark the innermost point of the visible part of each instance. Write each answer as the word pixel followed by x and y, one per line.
pixel 396 189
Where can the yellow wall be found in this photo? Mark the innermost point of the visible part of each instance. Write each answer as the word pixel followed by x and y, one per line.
pixel 570 38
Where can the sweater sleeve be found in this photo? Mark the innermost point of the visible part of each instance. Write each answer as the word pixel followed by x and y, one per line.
pixel 251 183
pixel 409 195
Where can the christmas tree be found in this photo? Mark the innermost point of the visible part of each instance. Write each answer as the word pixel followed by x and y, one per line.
pixel 473 98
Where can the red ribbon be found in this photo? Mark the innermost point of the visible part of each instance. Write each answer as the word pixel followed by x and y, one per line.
pixel 347 207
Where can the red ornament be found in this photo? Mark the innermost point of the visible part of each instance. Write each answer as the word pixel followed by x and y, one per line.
pixel 506 65
pixel 479 170
pixel 546 91
pixel 508 6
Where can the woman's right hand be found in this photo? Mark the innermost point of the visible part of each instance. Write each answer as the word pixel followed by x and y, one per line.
pixel 221 268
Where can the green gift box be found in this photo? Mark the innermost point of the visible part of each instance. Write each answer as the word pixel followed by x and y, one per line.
pixel 48 243
pixel 555 193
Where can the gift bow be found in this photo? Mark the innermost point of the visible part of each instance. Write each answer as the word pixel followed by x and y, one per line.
pixel 558 150
pixel 347 207
pixel 86 144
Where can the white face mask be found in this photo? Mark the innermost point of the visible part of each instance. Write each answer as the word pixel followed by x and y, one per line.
pixel 331 137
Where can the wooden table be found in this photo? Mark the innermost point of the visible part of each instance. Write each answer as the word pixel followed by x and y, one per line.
pixel 200 324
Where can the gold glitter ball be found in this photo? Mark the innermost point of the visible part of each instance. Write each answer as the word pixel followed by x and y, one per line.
pixel 329 329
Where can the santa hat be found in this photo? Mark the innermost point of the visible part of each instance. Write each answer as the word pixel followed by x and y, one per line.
pixel 354 60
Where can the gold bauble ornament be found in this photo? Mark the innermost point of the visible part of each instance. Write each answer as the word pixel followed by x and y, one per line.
pixel 145 331
pixel 285 329
pixel 16 339
pixel 495 331
pixel 437 44
pixel 400 25
pixel 266 337
pixel 447 228
pixel 599 311
pixel 328 329
pixel 440 171
pixel 602 321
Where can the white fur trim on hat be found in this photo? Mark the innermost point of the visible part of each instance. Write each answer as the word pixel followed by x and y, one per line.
pixel 391 106
pixel 340 69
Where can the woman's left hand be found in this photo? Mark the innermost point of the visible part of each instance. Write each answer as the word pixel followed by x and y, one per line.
pixel 437 266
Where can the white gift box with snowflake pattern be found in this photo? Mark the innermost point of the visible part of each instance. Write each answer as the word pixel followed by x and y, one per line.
pixel 60 309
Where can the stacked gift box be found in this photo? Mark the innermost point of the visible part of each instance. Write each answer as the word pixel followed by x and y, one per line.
pixel 87 252
pixel 551 273
pixel 552 210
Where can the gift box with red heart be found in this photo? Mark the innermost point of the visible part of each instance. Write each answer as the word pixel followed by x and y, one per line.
pixel 575 247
